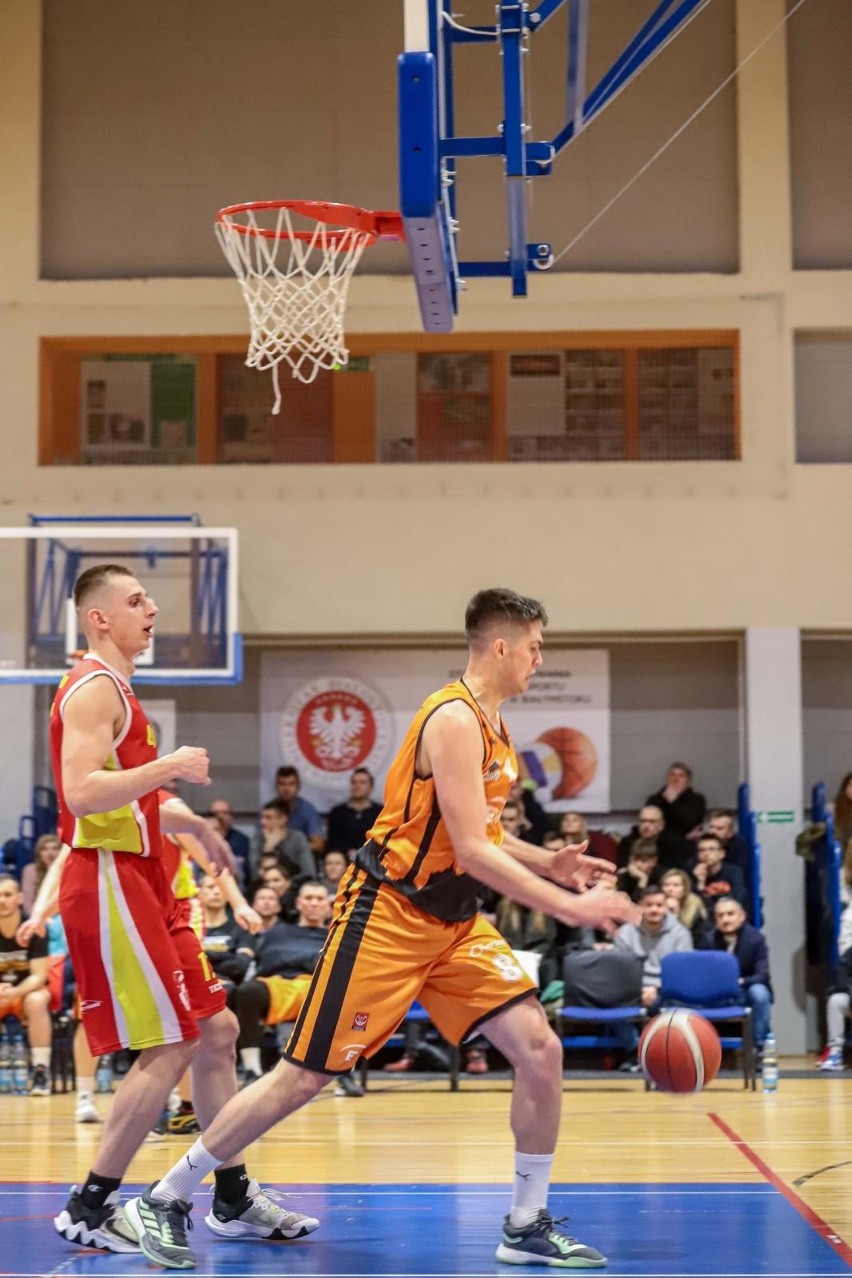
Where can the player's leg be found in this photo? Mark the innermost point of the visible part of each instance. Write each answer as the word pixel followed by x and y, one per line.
pixel 479 987
pixel 36 1009
pixel 252 1002
pixel 84 1073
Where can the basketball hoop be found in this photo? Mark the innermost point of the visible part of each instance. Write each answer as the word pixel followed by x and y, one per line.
pixel 295 282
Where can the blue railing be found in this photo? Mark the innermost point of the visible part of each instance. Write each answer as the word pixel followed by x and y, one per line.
pixel 747 823
pixel 828 864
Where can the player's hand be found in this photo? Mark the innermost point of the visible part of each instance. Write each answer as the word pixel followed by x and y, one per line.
pixel 248 918
pixel 602 908
pixel 573 867
pixel 7 993
pixel 29 928
pixel 217 848
pixel 191 763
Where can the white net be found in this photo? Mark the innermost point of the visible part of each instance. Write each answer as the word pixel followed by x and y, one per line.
pixel 295 285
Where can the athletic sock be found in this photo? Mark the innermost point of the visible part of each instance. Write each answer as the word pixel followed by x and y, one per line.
pixel 186 1175
pixel 250 1060
pixel 97 1189
pixel 41 1056
pixel 231 1183
pixel 85 1087
pixel 532 1181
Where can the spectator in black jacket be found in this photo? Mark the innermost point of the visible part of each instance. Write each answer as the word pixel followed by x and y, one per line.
pixel 229 947
pixel 650 826
pixel 735 934
pixel 349 822
pixel 723 825
pixel 236 840
pixel 286 957
pixel 682 807
pixel 713 876
pixel 533 816
pixel 642 869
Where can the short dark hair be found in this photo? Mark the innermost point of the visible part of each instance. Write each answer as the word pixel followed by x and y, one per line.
pixel 363 772
pixel 721 900
pixel 499 605
pixel 513 803
pixel 312 883
pixel 93 578
pixel 277 805
pixel 287 770
pixel 711 838
pixel 652 889
pixel 684 767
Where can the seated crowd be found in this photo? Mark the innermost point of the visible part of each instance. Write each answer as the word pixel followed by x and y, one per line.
pixel 688 870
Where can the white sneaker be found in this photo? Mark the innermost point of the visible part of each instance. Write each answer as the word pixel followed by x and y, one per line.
pixel 258 1216
pixel 85 1111
pixel 833 1063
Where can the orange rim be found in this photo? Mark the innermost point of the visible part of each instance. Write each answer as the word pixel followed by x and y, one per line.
pixel 385 225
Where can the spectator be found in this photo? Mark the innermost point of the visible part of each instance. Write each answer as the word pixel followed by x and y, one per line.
pixel 47 849
pixel 334 866
pixel 842 809
pixel 573 829
pixel 682 807
pixel 278 878
pixel 349 822
pixel 839 1001
pixel 286 958
pixel 236 840
pixel 736 935
pixel 642 869
pixel 650 825
pixel 267 904
pixel 533 816
pixel 723 825
pixel 512 818
pixel 658 934
pixel 687 907
pixel 229 947
pixel 712 874
pixel 276 835
pixel 304 817
pixel 529 930
pixel 23 983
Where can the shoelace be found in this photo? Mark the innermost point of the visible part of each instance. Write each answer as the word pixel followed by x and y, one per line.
pixel 271 1200
pixel 546 1222
pixel 173 1228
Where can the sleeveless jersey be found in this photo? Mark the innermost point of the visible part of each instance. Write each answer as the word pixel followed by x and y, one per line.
pixel 176 863
pixel 134 828
pixel 409 847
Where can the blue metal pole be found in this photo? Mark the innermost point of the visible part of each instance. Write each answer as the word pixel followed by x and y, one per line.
pixel 512 35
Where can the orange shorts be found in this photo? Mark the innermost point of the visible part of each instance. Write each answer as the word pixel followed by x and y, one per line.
pixel 286 997
pixel 381 955
pixel 15 1007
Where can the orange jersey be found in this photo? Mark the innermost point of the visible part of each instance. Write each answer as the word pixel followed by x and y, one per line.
pixel 136 826
pixel 409 847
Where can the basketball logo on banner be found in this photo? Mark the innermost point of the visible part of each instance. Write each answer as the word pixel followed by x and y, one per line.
pixel 334 725
pixel 561 763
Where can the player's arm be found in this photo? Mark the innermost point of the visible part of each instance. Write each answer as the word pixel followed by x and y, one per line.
pixel 92 718
pixel 451 749
pixel 205 845
pixel 47 900
pixel 569 865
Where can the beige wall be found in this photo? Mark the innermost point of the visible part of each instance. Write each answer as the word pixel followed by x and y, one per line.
pixel 615 547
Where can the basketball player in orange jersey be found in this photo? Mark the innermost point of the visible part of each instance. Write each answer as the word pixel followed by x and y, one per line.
pixel 139 969
pixel 406 926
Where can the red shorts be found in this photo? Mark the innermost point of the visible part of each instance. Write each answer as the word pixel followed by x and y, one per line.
pixel 206 993
pixel 137 964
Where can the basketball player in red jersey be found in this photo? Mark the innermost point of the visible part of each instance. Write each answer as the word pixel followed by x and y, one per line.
pixel 141 975
pixel 406 926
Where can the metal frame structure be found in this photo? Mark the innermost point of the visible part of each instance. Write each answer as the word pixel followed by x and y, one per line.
pixel 429 146
pixel 213 558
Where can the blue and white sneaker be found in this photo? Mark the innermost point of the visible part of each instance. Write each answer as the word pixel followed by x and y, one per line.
pixel 543 1243
pixel 833 1062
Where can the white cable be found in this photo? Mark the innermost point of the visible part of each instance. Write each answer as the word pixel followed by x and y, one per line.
pixel 695 114
pixel 482 35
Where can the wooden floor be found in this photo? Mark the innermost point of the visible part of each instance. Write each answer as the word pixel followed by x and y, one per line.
pixel 799 1139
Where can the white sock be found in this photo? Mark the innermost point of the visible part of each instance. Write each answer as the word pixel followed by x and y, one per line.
pixel 85 1087
pixel 250 1060
pixel 186 1175
pixel 532 1181
pixel 41 1056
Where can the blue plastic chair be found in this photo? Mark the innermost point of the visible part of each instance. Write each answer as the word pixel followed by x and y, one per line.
pixel 708 981
pixel 596 1019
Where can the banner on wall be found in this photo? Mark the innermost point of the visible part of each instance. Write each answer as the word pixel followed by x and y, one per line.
pixel 330 712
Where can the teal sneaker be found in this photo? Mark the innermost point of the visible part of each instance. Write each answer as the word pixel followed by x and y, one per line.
pixel 543 1243
pixel 160 1229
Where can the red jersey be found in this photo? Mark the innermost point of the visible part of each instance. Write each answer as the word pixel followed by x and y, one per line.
pixel 135 827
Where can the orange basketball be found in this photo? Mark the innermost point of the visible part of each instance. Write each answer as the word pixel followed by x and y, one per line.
pixel 578 757
pixel 680 1051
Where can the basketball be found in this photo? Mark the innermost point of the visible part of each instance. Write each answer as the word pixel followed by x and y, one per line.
pixel 578 757
pixel 680 1051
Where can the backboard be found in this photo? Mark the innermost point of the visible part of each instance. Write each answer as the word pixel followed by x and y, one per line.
pixel 190 572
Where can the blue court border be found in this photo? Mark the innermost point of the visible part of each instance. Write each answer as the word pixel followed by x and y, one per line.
pixel 688 1230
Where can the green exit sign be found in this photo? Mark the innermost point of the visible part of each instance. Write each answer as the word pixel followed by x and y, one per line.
pixel 782 817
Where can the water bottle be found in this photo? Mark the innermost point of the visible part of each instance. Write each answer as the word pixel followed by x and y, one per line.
pixel 769 1066
pixel 20 1066
pixel 5 1063
pixel 103 1075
